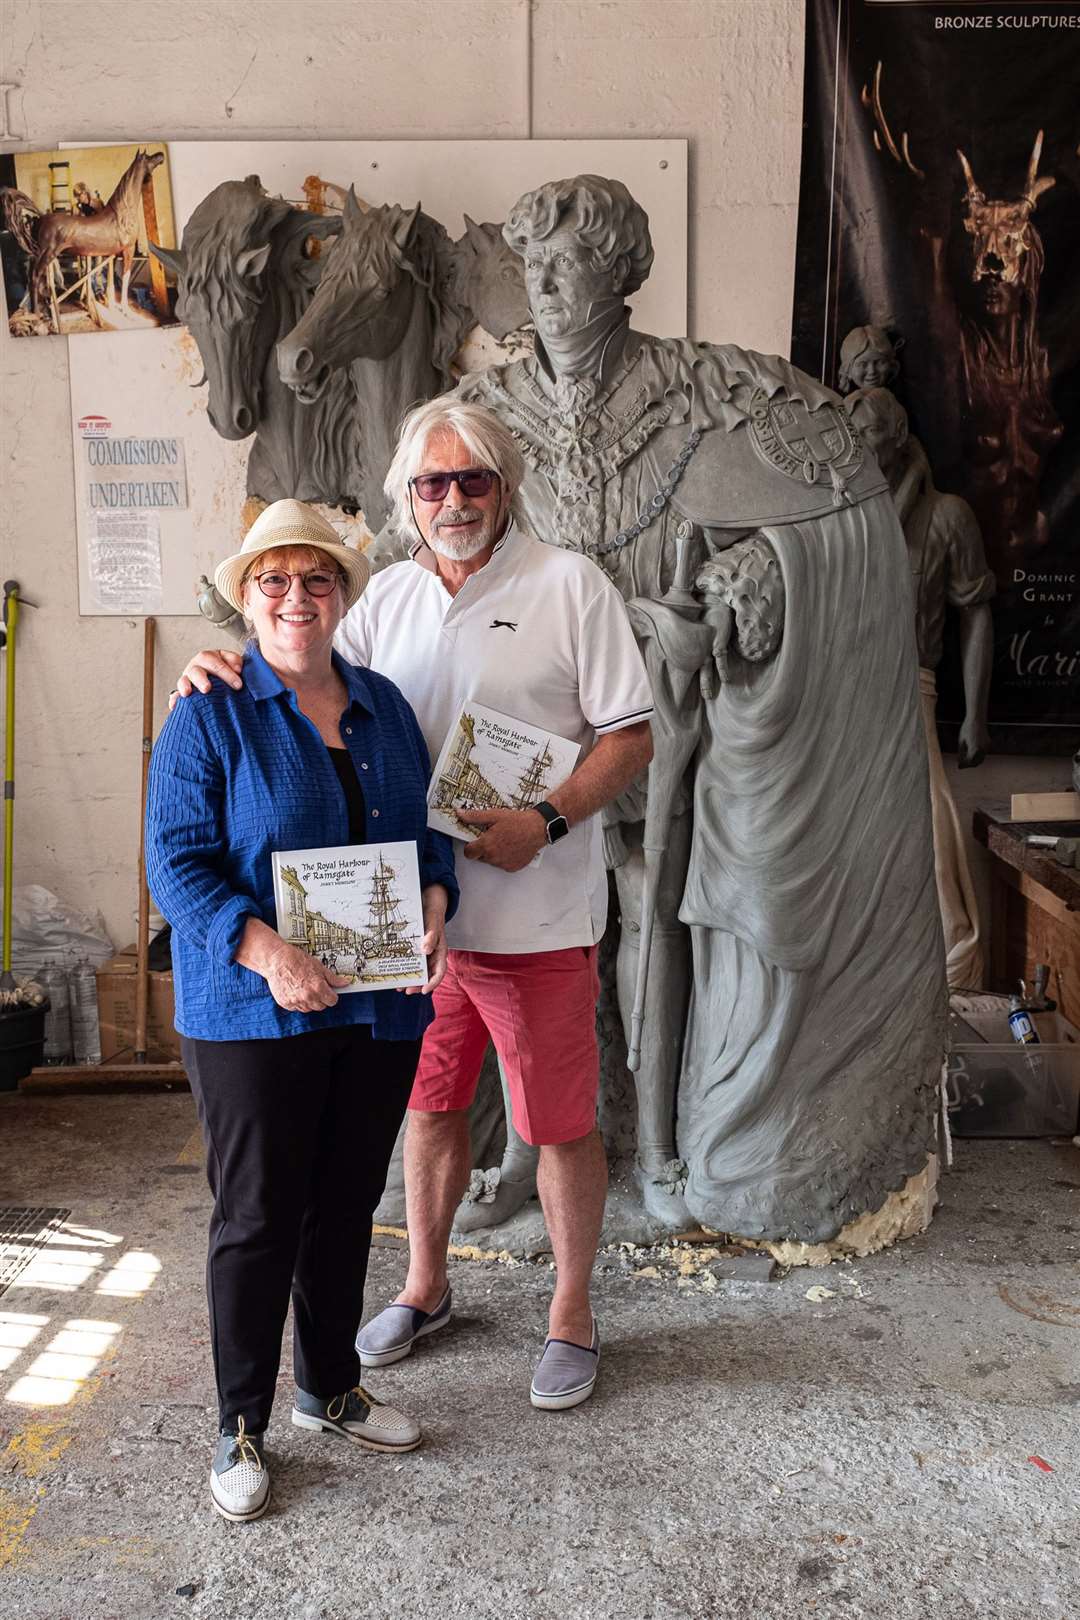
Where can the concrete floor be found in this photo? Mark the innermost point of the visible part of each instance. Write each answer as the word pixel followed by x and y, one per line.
pixel 750 1452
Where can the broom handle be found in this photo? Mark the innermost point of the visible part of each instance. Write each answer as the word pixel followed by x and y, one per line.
pixel 11 619
pixel 142 985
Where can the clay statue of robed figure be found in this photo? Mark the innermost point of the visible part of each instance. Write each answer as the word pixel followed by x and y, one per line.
pixel 780 974
pixel 791 1021
pixel 948 570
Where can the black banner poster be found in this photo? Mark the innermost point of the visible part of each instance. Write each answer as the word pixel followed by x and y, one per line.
pixel 940 200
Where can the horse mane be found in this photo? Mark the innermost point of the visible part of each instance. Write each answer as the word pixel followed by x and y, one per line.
pixel 451 318
pixel 236 215
pixel 428 260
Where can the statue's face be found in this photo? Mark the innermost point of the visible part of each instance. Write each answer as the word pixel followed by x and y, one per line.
pixel 874 368
pixel 879 436
pixel 562 284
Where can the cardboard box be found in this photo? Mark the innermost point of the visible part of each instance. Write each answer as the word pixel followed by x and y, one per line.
pixel 116 1010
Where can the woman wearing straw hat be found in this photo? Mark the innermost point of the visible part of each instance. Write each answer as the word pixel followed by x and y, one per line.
pixel 300 1092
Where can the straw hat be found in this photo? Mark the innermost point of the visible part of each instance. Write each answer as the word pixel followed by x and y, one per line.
pixel 291 523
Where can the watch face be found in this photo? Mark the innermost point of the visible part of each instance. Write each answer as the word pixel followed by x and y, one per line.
pixel 557 828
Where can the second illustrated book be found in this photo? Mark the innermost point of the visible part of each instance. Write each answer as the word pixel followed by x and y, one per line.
pixel 491 761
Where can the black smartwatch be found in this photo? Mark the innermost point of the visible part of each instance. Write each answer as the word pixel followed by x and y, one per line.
pixel 557 825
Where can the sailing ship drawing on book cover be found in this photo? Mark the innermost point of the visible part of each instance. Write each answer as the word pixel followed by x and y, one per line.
pixel 357 908
pixel 491 761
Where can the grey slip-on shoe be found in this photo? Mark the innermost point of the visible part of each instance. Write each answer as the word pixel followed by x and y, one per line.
pixel 391 1335
pixel 566 1373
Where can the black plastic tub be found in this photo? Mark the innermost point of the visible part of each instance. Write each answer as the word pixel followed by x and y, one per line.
pixel 22 1043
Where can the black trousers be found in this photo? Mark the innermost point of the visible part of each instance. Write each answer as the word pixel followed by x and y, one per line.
pixel 299 1133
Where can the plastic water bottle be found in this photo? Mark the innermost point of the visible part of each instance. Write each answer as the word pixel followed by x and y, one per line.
pixel 1020 1022
pixel 58 1046
pixel 85 1030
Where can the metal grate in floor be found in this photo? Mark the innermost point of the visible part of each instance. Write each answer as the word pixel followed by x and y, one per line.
pixel 23 1232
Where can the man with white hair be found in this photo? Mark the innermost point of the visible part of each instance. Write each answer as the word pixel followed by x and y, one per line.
pixel 481 612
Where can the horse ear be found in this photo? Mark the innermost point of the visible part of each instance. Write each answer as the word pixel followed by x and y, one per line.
pixel 352 210
pixel 174 259
pixel 402 227
pixel 252 262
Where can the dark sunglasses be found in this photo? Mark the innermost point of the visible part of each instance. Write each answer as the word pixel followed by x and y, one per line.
pixel 317 582
pixel 472 481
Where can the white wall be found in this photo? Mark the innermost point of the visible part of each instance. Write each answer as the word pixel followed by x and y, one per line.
pixel 726 74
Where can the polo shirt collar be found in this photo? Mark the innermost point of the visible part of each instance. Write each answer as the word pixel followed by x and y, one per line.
pixel 424 557
pixel 262 682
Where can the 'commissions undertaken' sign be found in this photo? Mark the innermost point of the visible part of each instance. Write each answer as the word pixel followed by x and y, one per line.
pixel 141 473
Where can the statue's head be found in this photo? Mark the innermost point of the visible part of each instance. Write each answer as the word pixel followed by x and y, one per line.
pixel 584 242
pixel 882 423
pixel 868 358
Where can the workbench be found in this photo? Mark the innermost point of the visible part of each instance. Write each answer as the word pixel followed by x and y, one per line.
pixel 1034 906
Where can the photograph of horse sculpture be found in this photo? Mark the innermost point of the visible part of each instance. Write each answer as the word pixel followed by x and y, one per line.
pixel 74 227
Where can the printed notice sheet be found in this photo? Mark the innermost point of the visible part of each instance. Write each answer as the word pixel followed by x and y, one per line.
pixel 124 560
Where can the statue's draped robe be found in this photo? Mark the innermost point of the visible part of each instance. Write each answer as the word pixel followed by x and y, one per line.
pixel 809 1082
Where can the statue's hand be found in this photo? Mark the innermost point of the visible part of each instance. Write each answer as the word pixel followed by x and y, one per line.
pixel 710 681
pixel 974 743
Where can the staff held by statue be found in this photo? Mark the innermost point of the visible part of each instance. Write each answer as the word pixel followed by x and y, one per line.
pixel 678 640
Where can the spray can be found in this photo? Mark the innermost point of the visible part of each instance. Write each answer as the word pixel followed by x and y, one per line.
pixel 1020 1022
pixel 58 1018
pixel 85 1030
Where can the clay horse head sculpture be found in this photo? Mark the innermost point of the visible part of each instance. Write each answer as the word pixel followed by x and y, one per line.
pixel 245 271
pixel 380 310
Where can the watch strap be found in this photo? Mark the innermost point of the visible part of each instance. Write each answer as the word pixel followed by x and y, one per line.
pixel 556 823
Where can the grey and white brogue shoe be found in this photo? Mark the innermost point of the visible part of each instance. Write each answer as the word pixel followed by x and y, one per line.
pixel 359 1417
pixel 239 1477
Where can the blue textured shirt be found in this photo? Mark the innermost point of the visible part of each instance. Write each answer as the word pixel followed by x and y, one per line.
pixel 236 775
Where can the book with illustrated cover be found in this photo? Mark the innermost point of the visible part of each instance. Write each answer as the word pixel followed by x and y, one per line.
pixel 491 761
pixel 357 908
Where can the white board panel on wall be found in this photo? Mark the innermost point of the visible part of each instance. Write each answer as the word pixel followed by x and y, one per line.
pixel 148 558
pixel 453 178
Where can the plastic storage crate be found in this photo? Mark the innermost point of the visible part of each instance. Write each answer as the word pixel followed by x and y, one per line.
pixel 996 1087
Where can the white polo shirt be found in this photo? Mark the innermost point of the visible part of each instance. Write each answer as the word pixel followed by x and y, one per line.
pixel 542 635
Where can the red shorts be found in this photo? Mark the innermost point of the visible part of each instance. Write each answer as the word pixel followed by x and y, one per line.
pixel 540 1012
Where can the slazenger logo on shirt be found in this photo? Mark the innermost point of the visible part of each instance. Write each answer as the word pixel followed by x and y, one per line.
pixel 502 624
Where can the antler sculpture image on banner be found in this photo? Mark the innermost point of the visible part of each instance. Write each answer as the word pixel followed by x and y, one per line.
pixel 1004 364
